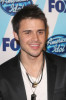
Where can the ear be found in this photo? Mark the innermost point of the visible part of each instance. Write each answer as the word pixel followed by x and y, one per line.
pixel 16 36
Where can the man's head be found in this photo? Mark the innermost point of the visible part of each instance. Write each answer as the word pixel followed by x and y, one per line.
pixel 30 11
pixel 29 26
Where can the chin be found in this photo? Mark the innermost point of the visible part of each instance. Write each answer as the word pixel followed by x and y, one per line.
pixel 35 54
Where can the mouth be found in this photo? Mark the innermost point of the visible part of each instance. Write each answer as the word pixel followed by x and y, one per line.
pixel 35 46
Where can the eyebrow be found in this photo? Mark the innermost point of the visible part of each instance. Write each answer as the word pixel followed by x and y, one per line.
pixel 41 30
pixel 26 30
pixel 31 30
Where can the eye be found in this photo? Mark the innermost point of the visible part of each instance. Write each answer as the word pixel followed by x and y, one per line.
pixel 27 32
pixel 40 32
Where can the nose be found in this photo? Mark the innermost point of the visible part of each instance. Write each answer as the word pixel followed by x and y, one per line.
pixel 35 37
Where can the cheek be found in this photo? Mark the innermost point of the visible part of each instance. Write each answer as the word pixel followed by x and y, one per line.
pixel 24 40
pixel 43 38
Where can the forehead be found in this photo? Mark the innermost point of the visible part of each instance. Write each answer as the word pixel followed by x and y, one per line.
pixel 31 22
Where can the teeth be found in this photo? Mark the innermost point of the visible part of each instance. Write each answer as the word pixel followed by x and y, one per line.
pixel 34 45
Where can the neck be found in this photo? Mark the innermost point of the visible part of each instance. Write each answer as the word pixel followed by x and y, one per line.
pixel 33 65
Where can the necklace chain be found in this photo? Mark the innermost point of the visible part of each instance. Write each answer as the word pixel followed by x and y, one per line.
pixel 34 84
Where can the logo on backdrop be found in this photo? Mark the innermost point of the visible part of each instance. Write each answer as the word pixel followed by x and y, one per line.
pixel 59 5
pixel 12 6
pixel 57 44
pixel 12 44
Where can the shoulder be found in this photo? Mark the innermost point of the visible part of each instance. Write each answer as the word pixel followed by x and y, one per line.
pixel 54 58
pixel 10 71
pixel 9 65
pixel 10 61
pixel 56 63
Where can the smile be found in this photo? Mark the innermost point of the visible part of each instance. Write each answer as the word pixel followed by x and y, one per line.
pixel 35 46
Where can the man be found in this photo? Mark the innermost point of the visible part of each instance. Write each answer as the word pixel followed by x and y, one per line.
pixel 33 74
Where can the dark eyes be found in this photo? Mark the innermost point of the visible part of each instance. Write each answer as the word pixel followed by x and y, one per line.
pixel 31 32
pixel 40 32
pixel 27 32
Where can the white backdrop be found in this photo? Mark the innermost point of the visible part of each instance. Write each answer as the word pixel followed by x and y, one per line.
pixel 55 12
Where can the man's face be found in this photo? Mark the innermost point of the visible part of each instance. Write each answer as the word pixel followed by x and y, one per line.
pixel 31 36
